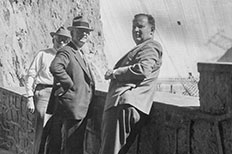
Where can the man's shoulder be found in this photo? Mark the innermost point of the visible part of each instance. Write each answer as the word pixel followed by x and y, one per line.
pixel 46 51
pixel 67 48
pixel 154 44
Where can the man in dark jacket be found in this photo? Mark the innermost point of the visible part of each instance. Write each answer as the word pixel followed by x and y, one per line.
pixel 73 88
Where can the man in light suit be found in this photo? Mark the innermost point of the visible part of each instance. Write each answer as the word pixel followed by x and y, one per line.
pixel 73 88
pixel 132 88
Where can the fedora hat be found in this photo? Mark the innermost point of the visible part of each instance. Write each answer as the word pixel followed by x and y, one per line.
pixel 79 22
pixel 62 31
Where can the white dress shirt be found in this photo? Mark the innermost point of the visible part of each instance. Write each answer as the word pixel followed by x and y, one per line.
pixel 39 73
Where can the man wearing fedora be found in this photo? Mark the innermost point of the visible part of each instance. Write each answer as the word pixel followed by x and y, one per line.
pixel 73 88
pixel 39 82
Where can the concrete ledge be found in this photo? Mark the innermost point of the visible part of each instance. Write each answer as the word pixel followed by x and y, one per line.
pixel 214 67
pixel 6 152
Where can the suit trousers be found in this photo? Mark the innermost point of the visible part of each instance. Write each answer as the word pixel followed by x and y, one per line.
pixel 73 133
pixel 51 138
pixel 120 127
pixel 41 98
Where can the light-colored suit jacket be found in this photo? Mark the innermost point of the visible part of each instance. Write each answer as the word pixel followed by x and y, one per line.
pixel 136 75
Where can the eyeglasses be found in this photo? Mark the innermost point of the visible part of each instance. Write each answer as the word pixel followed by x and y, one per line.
pixel 82 31
pixel 61 39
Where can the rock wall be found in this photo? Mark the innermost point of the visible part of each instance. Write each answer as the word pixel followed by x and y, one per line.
pixel 171 129
pixel 25 27
pixel 16 123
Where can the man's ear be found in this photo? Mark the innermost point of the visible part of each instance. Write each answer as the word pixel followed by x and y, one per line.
pixel 152 31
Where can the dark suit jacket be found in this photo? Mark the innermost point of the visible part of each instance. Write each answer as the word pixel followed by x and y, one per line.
pixel 136 75
pixel 74 78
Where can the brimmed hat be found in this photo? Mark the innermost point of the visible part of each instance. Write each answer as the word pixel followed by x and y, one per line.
pixel 79 22
pixel 62 31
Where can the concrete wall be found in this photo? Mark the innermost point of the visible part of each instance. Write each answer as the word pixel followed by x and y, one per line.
pixel 172 128
pixel 16 123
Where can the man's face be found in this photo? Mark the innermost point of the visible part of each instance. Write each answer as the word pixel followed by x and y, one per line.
pixel 80 36
pixel 141 29
pixel 60 41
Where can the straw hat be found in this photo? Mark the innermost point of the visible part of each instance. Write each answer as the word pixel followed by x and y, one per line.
pixel 62 31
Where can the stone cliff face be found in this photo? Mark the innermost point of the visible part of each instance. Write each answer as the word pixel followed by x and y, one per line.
pixel 24 30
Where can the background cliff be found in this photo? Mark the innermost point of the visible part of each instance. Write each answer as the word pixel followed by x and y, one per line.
pixel 24 30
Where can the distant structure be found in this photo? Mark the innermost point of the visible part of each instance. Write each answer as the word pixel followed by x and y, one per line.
pixel 184 86
pixel 190 86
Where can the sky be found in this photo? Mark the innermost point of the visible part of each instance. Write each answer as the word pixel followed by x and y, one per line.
pixel 190 31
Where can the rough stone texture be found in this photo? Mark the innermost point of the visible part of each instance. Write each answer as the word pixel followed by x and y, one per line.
pixel 171 129
pixel 215 87
pixel 166 132
pixel 25 27
pixel 185 130
pixel 227 135
pixel 16 126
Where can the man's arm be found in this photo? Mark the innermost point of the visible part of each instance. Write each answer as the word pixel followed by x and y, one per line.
pixel 146 61
pixel 32 72
pixel 57 68
pixel 52 102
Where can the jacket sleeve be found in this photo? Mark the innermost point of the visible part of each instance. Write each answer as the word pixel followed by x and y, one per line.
pixel 52 102
pixel 58 69
pixel 147 60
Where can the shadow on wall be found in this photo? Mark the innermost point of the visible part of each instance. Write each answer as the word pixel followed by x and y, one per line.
pixel 227 57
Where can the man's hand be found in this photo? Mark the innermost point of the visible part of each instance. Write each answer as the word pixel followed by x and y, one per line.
pixel 59 92
pixel 109 74
pixel 30 104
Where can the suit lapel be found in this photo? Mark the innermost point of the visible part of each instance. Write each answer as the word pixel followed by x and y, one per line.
pixel 81 61
pixel 132 51
pixel 88 69
pixel 91 74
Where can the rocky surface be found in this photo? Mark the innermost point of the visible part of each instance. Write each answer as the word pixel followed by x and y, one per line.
pixel 25 27
pixel 16 126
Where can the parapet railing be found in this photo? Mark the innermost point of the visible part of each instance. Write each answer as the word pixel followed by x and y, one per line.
pixel 178 124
